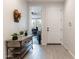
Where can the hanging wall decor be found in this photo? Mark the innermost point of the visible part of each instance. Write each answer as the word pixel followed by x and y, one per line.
pixel 16 15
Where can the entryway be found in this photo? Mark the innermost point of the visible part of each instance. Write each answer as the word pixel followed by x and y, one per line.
pixel 35 23
pixel 46 21
pixel 54 23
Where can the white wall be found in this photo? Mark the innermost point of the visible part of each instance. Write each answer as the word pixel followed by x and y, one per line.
pixel 9 26
pixel 69 26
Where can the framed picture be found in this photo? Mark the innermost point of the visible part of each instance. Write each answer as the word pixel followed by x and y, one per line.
pixel 16 15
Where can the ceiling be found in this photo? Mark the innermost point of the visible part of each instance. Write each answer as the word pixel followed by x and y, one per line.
pixel 45 0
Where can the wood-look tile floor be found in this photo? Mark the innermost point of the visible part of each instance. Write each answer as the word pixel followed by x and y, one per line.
pixel 48 52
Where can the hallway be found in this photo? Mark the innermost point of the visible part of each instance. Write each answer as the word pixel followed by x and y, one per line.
pixel 48 52
pixel 55 21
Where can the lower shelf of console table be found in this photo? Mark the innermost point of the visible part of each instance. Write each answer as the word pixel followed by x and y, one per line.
pixel 18 52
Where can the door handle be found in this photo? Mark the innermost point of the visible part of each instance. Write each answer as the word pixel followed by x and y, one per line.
pixel 47 28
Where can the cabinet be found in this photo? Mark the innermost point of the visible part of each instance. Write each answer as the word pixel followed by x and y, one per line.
pixel 16 49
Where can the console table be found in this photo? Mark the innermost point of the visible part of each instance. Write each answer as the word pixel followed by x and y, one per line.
pixel 16 49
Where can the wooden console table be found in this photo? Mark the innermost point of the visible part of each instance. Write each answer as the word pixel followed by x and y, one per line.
pixel 16 49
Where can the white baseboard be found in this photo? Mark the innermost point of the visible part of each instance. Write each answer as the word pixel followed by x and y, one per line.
pixel 43 43
pixel 71 54
pixel 68 50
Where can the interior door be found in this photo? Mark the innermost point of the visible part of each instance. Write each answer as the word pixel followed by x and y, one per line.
pixel 54 24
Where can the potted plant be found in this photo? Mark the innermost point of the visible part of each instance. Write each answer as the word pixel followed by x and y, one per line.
pixel 15 36
pixel 21 32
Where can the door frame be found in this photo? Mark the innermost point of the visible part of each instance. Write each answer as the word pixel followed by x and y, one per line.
pixel 30 5
pixel 44 28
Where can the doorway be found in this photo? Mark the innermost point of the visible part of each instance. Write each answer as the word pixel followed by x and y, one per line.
pixel 35 24
pixel 54 23
pixel 49 21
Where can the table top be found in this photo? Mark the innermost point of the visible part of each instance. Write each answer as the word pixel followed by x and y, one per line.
pixel 19 39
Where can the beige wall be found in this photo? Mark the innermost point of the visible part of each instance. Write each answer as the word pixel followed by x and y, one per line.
pixel 69 26
pixel 9 25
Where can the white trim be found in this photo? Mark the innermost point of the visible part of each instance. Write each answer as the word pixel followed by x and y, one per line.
pixel 43 43
pixel 68 50
pixel 71 54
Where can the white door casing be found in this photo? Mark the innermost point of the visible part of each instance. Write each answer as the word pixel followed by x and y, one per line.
pixel 54 24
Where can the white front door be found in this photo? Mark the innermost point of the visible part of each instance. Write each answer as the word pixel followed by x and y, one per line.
pixel 54 24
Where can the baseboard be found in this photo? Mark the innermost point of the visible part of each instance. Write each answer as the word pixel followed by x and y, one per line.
pixel 42 43
pixel 53 43
pixel 68 50
pixel 71 54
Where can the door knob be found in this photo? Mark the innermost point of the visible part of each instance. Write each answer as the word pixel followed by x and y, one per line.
pixel 47 28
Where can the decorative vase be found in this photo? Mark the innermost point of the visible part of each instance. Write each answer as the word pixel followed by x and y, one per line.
pixel 25 33
pixel 14 38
